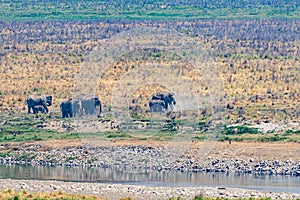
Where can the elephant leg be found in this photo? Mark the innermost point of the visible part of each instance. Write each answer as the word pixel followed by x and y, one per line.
pixel 29 109
pixel 93 111
pixel 100 108
pixel 66 114
pixel 76 109
pixel 45 106
pixel 150 106
pixel 71 113
pixel 75 112
pixel 63 113
pixel 35 110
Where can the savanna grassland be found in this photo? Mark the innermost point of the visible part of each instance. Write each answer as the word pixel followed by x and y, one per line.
pixel 258 61
pixel 44 45
pixel 255 46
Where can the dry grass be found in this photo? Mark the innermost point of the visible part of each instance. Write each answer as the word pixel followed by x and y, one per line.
pixel 11 194
pixel 51 67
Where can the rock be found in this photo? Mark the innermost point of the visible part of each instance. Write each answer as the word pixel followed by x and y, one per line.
pixel 252 194
pixel 144 157
pixel 56 187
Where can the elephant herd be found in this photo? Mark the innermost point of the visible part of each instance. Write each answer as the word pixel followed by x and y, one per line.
pixel 82 105
pixel 91 105
pixel 39 103
pixel 162 102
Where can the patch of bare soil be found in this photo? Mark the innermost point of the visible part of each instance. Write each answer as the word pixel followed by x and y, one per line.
pixel 256 151
pixel 221 150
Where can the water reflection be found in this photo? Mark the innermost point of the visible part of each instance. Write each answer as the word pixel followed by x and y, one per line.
pixel 264 183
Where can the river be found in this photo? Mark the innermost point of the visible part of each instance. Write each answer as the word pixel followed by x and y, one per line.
pixel 272 183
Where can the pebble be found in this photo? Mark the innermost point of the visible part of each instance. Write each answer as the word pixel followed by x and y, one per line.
pixel 144 157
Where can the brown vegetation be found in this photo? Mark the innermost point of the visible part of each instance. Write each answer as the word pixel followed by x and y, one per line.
pixel 258 61
pixel 11 194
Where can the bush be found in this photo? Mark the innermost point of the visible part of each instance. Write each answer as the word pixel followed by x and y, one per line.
pixel 199 197
pixel 233 130
pixel 273 138
pixel 289 131
pixel 15 198
pixel 117 135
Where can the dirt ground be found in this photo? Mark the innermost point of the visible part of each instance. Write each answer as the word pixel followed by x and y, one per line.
pixel 221 150
pixel 255 150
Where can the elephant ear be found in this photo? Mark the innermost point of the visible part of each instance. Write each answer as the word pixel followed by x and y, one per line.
pixel 49 97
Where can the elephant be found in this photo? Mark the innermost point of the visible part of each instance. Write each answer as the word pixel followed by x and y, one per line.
pixel 168 99
pixel 157 105
pixel 39 100
pixel 77 107
pixel 80 106
pixel 89 105
pixel 39 108
pixel 66 108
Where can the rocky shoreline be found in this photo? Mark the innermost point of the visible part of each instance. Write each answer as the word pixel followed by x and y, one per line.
pixel 142 158
pixel 150 157
pixel 118 191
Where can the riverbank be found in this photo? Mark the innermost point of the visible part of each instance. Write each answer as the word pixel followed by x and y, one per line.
pixel 242 158
pixel 118 191
pixel 237 157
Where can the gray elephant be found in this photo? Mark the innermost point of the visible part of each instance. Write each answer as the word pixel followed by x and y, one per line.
pixel 157 106
pixel 66 108
pixel 168 99
pixel 39 100
pixel 89 106
pixel 39 108
pixel 80 106
pixel 77 107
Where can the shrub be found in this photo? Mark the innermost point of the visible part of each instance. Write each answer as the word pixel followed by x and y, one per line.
pixel 232 130
pixel 199 197
pixel 16 197
pixel 117 135
pixel 289 131
pixel 273 138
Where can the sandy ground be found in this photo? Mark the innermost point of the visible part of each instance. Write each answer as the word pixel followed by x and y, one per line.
pixel 221 150
pixel 258 151
pixel 118 191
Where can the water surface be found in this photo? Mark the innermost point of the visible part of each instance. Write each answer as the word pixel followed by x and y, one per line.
pixel 153 178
